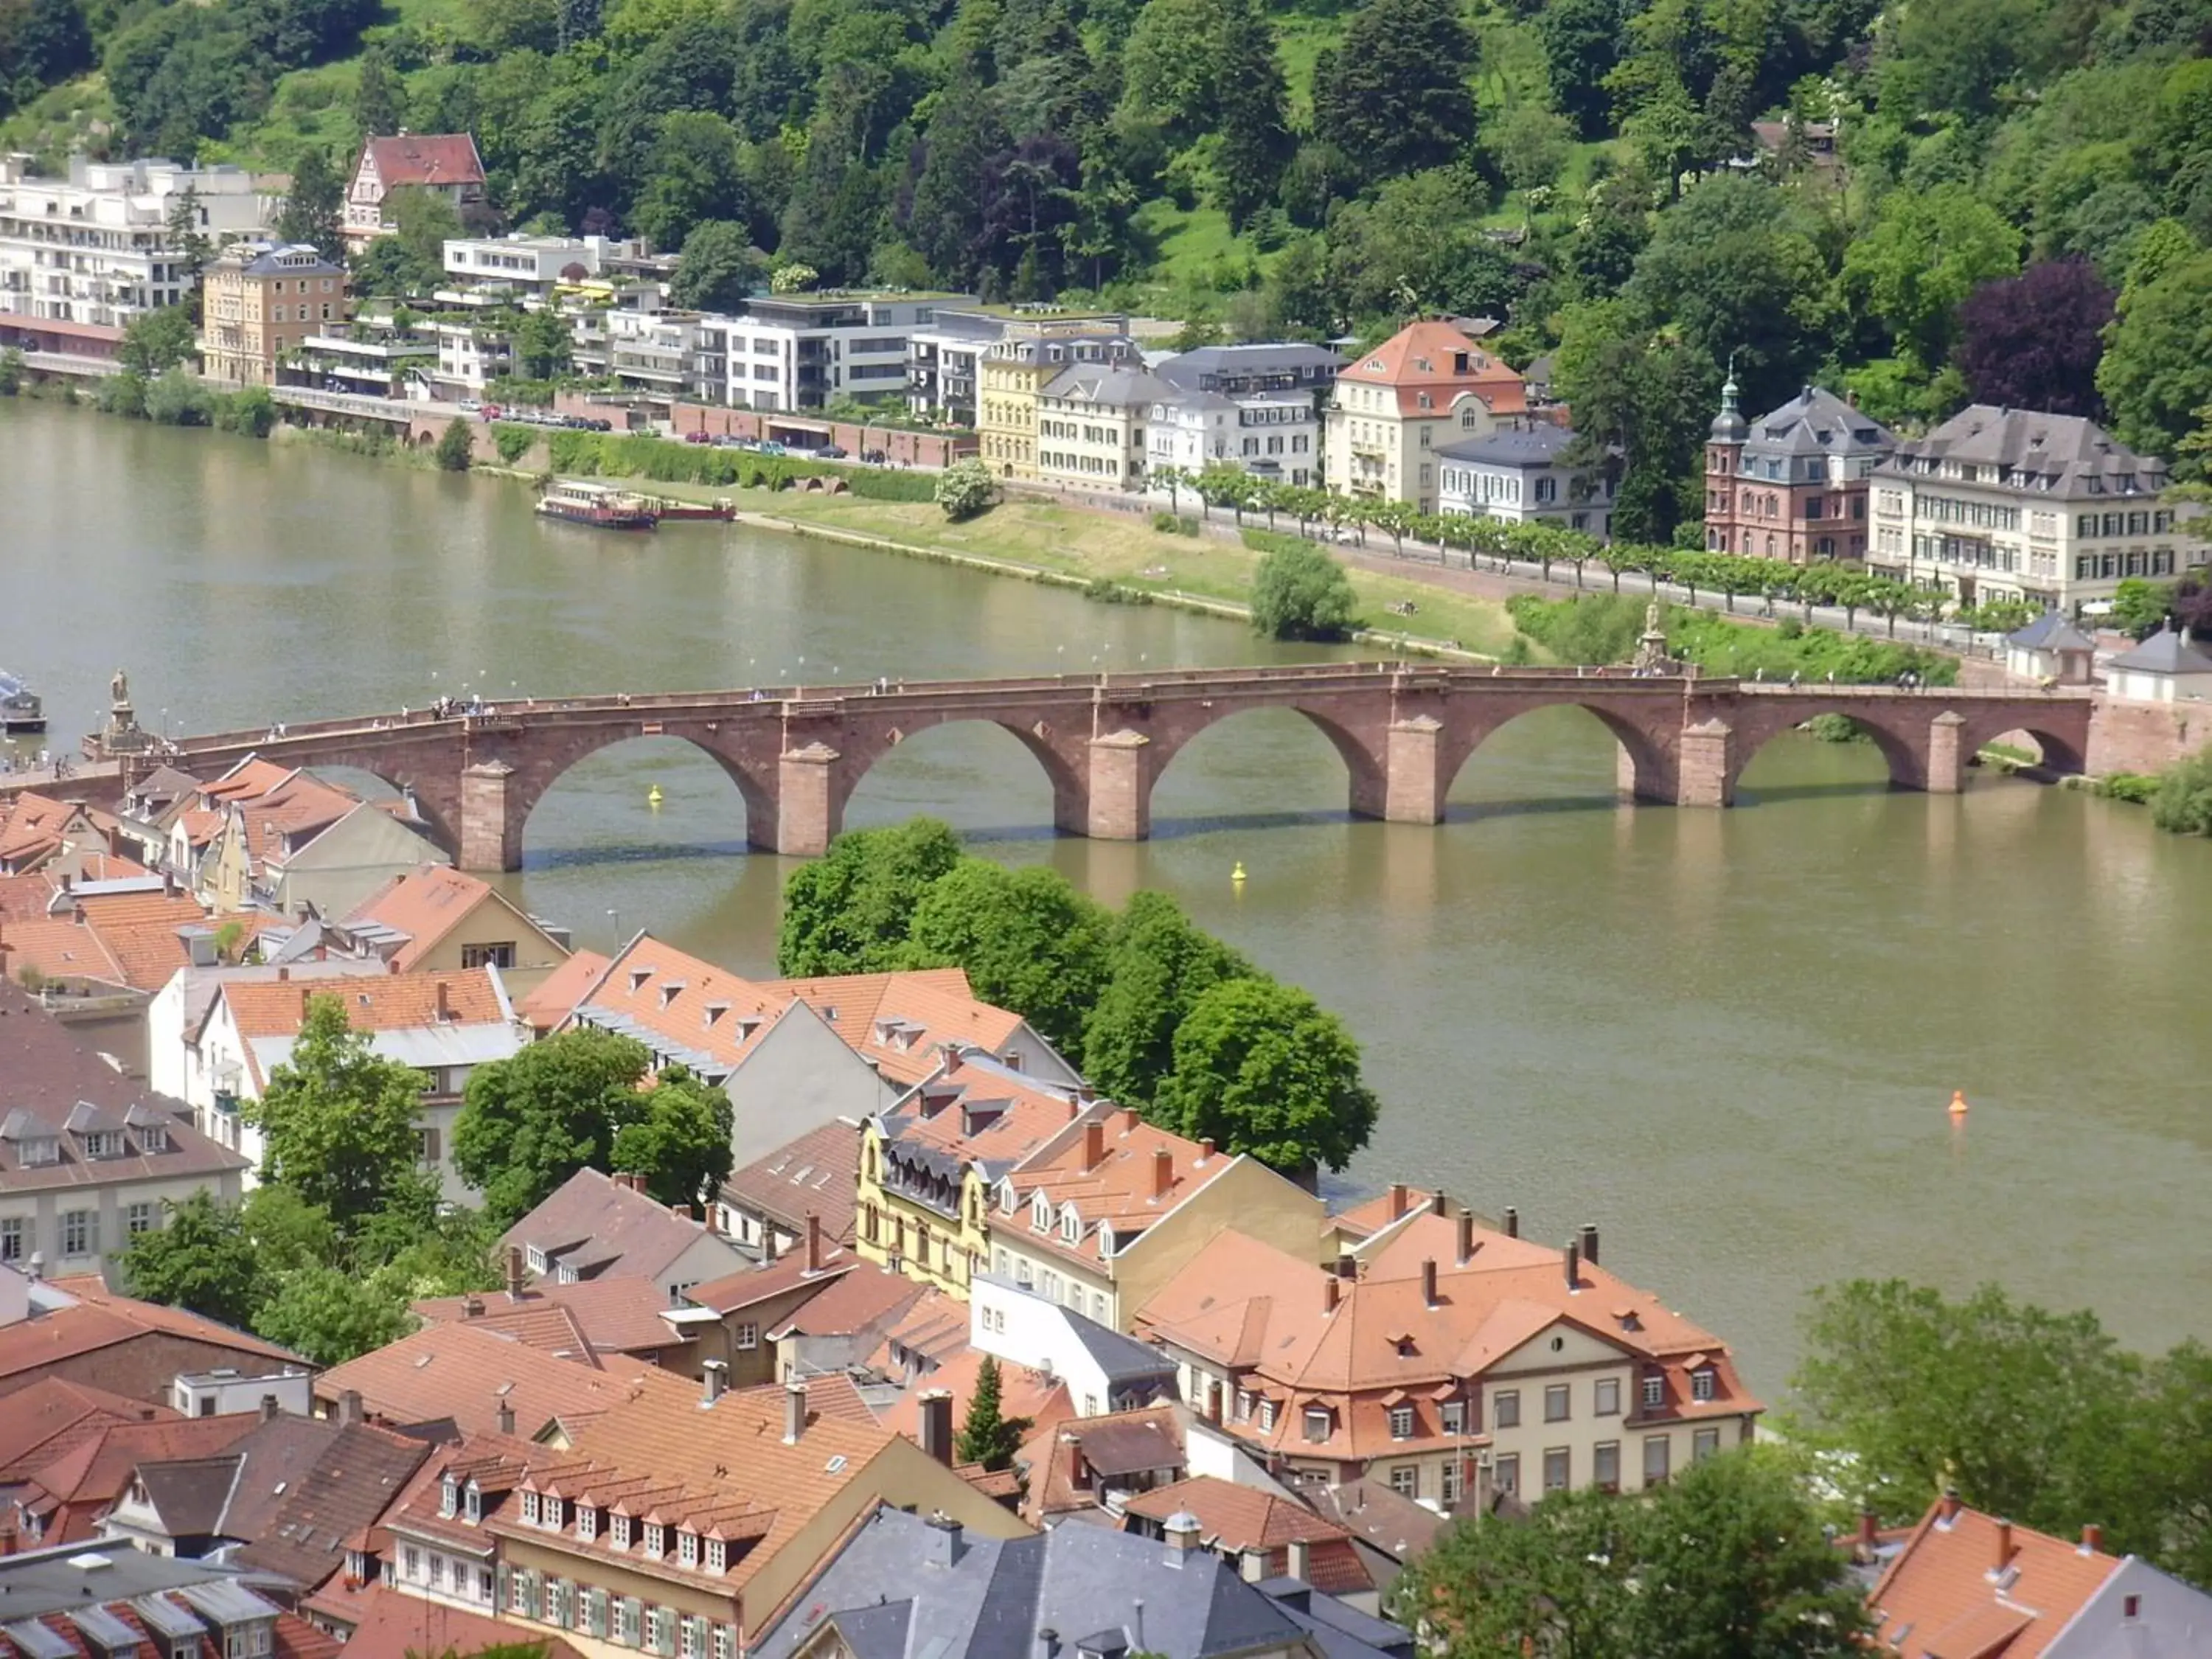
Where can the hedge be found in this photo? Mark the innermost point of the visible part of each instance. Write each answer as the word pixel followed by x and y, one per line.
pixel 637 455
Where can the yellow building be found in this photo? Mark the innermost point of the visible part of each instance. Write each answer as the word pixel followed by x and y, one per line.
pixel 264 298
pixel 1425 386
pixel 1012 374
pixel 929 1165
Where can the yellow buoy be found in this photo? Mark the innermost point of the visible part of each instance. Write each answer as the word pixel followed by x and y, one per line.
pixel 1957 1102
pixel 653 797
pixel 1237 873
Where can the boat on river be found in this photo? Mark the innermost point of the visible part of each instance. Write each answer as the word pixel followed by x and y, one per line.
pixel 674 512
pixel 21 709
pixel 602 506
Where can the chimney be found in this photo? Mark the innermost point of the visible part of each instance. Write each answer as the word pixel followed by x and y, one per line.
pixel 1332 1293
pixel 445 1003
pixel 1429 1282
pixel 307 1000
pixel 1950 1505
pixel 349 1407
pixel 937 1424
pixel 68 881
pixel 813 1242
pixel 1438 1204
pixel 794 1410
pixel 1400 1199
pixel 7 1542
pixel 35 1268
pixel 1589 1243
pixel 1512 1222
pixel 2093 1538
pixel 1348 1265
pixel 1870 1533
pixel 1130 1120
pixel 1301 1560
pixel 473 1306
pixel 505 1415
pixel 681 1211
pixel 1572 1262
pixel 1163 1172
pixel 945 1544
pixel 514 1280
pixel 269 1412
pixel 1205 1148
pixel 1078 1471
pixel 168 884
pixel 713 1377
pixel 1094 1143
pixel 1466 1237
pixel 2004 1545
pixel 1181 1528
pixel 283 974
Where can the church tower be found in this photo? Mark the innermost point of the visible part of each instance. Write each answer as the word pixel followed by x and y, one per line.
pixel 1723 447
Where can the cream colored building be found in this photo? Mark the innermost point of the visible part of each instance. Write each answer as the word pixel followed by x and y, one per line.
pixel 1091 423
pixel 1014 373
pixel 2014 504
pixel 264 300
pixel 1392 408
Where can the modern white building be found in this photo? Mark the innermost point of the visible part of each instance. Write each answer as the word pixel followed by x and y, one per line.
pixel 541 264
pixel 1517 474
pixel 471 353
pixel 2015 504
pixel 653 351
pixel 787 352
pixel 96 248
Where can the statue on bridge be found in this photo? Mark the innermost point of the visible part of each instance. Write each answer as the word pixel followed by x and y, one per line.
pixel 122 735
pixel 1651 658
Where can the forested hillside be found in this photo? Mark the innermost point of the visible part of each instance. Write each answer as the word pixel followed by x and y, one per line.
pixel 1585 169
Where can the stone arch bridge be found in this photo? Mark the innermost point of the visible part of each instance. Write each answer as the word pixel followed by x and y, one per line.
pixel 1403 731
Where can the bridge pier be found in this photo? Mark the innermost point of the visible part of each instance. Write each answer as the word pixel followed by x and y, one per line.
pixel 808 811
pixel 1705 770
pixel 1120 805
pixel 1413 769
pixel 490 823
pixel 1947 754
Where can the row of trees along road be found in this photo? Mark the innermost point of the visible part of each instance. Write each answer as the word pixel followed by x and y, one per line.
pixel 1159 1014
pixel 346 1227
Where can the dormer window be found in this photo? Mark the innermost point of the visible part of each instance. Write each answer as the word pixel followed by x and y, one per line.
pixel 1040 1213
pixel 715 1011
pixel 1071 1225
pixel 637 979
pixel 1009 1199
pixel 656 1539
pixel 473 1501
pixel 671 991
pixel 621 1531
pixel 687 1549
pixel 449 1496
pixel 549 1511
pixel 529 1509
pixel 40 1150
pixel 587 1521
pixel 718 1555
pixel 1701 1383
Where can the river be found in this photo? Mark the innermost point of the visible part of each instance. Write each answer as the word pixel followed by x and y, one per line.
pixel 1726 1037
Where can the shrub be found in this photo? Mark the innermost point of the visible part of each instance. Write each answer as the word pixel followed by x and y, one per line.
pixel 123 393
pixel 1165 523
pixel 456 446
pixel 2183 804
pixel 1299 592
pixel 1790 628
pixel 964 489
pixel 249 410
pixel 11 372
pixel 2139 787
pixel 512 441
pixel 176 399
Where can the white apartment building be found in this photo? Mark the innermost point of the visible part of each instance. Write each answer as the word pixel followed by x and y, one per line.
pixel 1516 474
pixel 95 247
pixel 1276 391
pixel 1092 425
pixel 2012 503
pixel 944 355
pixel 787 352
pixel 471 354
pixel 541 264
pixel 653 350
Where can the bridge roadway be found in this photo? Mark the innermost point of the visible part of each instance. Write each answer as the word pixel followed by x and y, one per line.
pixel 795 753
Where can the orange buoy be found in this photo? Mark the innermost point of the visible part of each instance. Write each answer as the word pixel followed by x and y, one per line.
pixel 1957 1102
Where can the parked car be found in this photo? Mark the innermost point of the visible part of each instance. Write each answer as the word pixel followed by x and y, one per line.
pixel 698 435
pixel 831 451
pixel 600 426
pixel 489 412
pixel 769 447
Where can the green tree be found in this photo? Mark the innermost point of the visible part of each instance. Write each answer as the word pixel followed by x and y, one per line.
pixel 187 238
pixel 545 345
pixel 154 342
pixel 2183 802
pixel 2157 369
pixel 529 1122
pixel 850 910
pixel 986 1437
pixel 1300 593
pixel 964 489
pixel 426 221
pixel 456 445
pixel 310 210
pixel 201 1257
pixel 1548 1585
pixel 331 1316
pixel 12 371
pixel 679 1141
pixel 338 1122
pixel 719 267
pixel 1029 941
pixel 1158 965
pixel 380 100
pixel 1250 111
pixel 1260 1067
pixel 694 177
pixel 1396 93
pixel 1925 252
pixel 175 398
pixel 2140 606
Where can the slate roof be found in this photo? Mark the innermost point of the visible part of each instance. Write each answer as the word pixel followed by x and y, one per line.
pixel 1385 1520
pixel 2050 632
pixel 1537 445
pixel 305 1485
pixel 600 1230
pixel 1108 385
pixel 1316 362
pixel 817 1173
pixel 1339 1630
pixel 996 1596
pixel 2064 455
pixel 2165 652
pixel 1816 422
pixel 277 260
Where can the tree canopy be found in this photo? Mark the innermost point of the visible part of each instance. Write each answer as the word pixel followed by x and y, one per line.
pixel 1260 1067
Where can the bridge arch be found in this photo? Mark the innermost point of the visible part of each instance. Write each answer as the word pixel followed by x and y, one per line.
pixel 1647 763
pixel 1356 726
pixel 538 766
pixel 1901 734
pixel 1060 752
pixel 2061 731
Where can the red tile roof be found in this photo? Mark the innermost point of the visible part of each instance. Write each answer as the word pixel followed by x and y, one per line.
pixel 75 1488
pixel 1944 1597
pixel 1121 1174
pixel 1237 1518
pixel 1038 1398
pixel 396 1625
pixel 463 1374
pixel 560 991
pixel 101 1319
pixel 53 1414
pixel 1432 367
pixel 616 1316
pixel 816 1174
pixel 425 158
pixel 427 904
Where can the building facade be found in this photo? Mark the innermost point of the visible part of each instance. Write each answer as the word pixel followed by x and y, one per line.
pixel 945 355
pixel 1427 385
pixel 96 248
pixel 265 300
pixel 1792 484
pixel 1090 421
pixel 445 163
pixel 788 352
pixel 2014 504
pixel 536 265
pixel 1519 474
pixel 1014 373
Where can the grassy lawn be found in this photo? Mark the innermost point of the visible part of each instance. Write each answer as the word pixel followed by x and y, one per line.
pixel 1124 550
